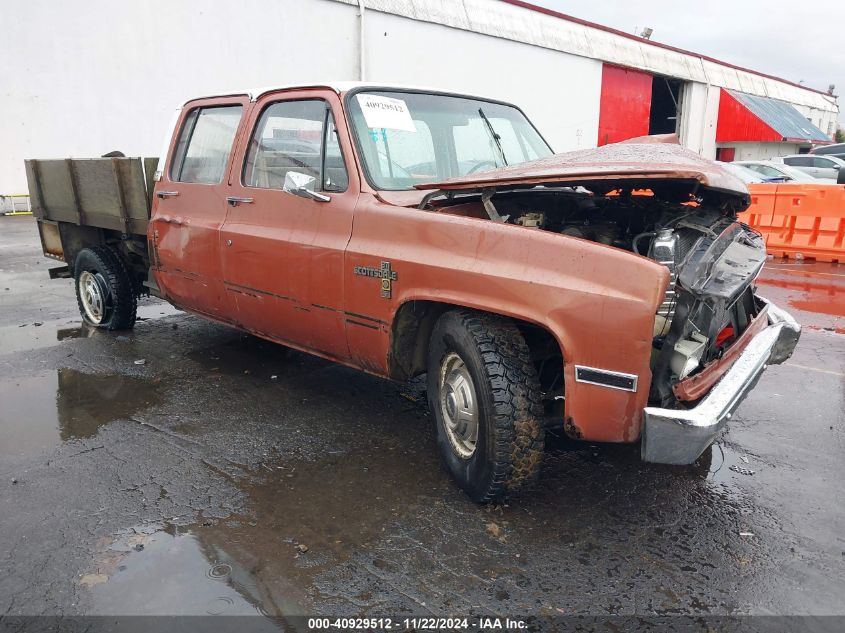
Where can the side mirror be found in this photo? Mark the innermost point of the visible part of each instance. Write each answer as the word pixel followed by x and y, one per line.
pixel 303 185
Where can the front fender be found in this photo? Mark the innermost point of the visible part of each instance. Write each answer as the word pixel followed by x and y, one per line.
pixel 597 301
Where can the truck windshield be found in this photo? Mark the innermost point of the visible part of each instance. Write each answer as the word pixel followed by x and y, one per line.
pixel 410 138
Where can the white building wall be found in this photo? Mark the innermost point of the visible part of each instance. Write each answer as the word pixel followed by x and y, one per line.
pixel 82 79
pixel 761 151
pixel 560 93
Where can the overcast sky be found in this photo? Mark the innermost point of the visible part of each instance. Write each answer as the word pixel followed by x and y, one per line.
pixel 793 40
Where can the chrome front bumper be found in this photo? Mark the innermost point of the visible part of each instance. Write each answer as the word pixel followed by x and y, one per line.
pixel 679 436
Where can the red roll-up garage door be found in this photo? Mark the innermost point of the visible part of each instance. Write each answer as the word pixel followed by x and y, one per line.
pixel 625 104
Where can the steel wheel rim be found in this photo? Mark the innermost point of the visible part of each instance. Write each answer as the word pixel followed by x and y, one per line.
pixel 91 291
pixel 458 405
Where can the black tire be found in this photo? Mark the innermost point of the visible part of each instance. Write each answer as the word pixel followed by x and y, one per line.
pixel 102 267
pixel 510 437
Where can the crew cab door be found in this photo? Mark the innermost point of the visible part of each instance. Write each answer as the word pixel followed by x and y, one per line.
pixel 282 252
pixel 189 206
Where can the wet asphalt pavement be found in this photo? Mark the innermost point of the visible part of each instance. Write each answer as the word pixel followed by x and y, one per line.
pixel 185 468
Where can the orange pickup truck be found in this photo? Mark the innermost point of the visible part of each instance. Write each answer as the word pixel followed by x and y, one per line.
pixel 407 232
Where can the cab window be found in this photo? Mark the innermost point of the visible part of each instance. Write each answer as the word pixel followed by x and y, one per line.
pixel 205 142
pixel 295 136
pixel 825 163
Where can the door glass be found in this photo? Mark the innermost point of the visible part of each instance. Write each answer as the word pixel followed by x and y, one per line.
pixel 822 162
pixel 205 143
pixel 291 136
pixel 335 177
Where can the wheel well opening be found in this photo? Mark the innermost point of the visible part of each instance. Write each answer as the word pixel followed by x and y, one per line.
pixel 132 249
pixel 414 322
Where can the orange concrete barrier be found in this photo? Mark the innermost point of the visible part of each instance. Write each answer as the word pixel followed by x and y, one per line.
pixel 799 220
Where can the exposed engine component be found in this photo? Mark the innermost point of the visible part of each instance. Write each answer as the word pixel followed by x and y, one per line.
pixel 530 220
pixel 664 249
pixel 688 354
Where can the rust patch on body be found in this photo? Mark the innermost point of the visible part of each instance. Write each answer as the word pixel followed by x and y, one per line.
pixel 571 429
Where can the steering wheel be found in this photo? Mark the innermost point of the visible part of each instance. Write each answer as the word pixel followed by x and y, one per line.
pixel 478 166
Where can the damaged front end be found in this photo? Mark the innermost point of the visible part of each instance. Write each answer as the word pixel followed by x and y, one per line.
pixel 712 350
pixel 712 303
pixel 713 336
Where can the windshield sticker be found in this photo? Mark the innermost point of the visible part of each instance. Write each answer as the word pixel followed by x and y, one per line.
pixel 386 112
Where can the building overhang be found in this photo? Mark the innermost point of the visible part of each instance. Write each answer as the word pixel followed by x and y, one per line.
pixel 751 118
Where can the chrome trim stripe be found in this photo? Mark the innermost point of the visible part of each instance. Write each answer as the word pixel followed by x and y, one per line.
pixel 579 369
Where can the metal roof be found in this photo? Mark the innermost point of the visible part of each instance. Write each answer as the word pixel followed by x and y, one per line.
pixel 782 117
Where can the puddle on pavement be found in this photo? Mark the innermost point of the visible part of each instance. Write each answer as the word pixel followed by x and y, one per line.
pixel 27 336
pixel 157 571
pixel 726 465
pixel 157 310
pixel 811 287
pixel 303 518
pixel 15 338
pixel 817 296
pixel 42 411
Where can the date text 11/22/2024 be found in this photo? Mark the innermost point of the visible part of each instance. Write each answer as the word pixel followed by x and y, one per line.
pixel 416 624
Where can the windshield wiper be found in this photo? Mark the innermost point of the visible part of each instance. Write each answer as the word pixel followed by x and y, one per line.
pixel 496 138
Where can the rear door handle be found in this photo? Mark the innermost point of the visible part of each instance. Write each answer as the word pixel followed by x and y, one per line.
pixel 235 200
pixel 167 194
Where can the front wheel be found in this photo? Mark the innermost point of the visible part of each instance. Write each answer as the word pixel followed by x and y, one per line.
pixel 104 289
pixel 484 394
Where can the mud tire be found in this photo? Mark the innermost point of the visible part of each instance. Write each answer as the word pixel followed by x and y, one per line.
pixel 510 440
pixel 120 300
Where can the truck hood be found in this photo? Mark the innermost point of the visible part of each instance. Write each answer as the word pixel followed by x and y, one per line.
pixel 645 162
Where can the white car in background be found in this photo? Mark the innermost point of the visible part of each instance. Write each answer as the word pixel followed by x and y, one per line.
pixel 818 166
pixel 746 175
pixel 773 169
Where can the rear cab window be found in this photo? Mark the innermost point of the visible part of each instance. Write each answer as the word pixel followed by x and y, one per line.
pixel 205 143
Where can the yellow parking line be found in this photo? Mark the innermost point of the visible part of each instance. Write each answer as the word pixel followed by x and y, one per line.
pixel 822 371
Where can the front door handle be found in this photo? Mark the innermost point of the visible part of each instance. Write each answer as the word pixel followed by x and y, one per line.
pixel 167 194
pixel 235 200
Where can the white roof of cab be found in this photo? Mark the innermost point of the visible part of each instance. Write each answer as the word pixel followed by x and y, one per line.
pixel 338 86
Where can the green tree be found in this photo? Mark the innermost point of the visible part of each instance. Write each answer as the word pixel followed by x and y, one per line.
pixel 839 137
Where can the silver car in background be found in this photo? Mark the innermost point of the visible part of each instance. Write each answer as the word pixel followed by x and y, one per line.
pixel 774 169
pixel 815 165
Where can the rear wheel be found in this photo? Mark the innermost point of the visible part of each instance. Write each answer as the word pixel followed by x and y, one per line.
pixel 104 289
pixel 485 397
